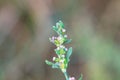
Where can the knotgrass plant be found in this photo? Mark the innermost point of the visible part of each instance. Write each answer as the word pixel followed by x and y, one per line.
pixel 63 54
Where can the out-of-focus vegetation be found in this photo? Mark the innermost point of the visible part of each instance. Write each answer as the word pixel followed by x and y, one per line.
pixel 25 27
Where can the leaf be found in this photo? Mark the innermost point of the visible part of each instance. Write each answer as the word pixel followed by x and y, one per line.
pixel 61 24
pixel 57 43
pixel 55 28
pixel 57 51
pixel 58 25
pixel 62 51
pixel 48 62
pixel 69 52
pixel 81 77
pixel 56 65
pixel 67 41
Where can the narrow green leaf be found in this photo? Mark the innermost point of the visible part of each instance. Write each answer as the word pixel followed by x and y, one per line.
pixel 57 51
pixel 56 65
pixel 61 24
pixel 58 25
pixel 55 28
pixel 69 52
pixel 48 62
pixel 67 41
pixel 81 77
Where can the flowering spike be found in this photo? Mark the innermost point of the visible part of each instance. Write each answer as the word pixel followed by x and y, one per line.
pixel 63 53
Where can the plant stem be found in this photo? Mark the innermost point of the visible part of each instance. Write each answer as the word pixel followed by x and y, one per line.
pixel 66 75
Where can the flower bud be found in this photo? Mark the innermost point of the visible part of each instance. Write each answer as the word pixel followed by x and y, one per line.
pixel 72 78
pixel 54 58
pixel 65 36
pixel 63 30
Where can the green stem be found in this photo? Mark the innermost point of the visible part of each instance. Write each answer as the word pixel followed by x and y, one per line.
pixel 66 75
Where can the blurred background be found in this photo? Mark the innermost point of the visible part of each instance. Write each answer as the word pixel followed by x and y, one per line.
pixel 25 28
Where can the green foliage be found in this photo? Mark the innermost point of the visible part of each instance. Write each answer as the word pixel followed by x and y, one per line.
pixel 81 77
pixel 68 41
pixel 48 62
pixel 54 65
pixel 69 52
pixel 63 53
